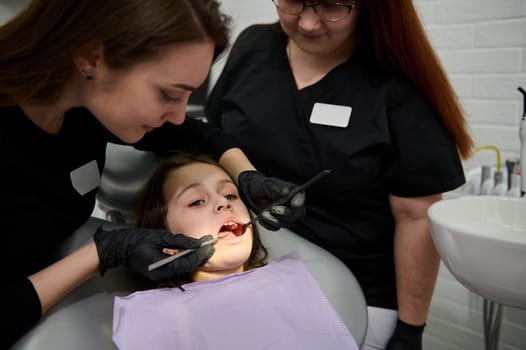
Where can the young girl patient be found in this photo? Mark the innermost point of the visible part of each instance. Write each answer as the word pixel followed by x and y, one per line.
pixel 192 194
pixel 233 301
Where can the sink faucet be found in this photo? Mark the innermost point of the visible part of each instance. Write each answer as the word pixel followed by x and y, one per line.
pixel 522 137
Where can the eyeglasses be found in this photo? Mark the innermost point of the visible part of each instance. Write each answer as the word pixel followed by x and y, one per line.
pixel 328 10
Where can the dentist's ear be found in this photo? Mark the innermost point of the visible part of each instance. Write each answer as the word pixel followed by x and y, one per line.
pixel 89 60
pixel 87 74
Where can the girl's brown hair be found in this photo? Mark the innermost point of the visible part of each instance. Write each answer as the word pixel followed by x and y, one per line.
pixel 151 208
pixel 36 47
pixel 397 41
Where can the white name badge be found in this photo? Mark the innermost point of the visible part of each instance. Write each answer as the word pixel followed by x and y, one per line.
pixel 86 177
pixel 331 115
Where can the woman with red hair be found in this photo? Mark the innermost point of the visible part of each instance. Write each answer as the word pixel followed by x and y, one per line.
pixel 355 87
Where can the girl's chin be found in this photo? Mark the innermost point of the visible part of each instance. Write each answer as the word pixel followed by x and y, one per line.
pixel 224 267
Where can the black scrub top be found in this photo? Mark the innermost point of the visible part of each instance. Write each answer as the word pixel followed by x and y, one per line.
pixel 393 143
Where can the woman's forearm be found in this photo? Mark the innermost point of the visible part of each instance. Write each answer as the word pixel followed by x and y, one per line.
pixel 57 280
pixel 416 258
pixel 234 161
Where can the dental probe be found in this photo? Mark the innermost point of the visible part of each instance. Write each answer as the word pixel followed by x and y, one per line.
pixel 286 198
pixel 178 255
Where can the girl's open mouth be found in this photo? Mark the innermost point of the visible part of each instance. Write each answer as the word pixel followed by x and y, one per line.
pixel 230 227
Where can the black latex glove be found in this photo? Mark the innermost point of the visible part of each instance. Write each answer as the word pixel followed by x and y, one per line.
pixel 136 248
pixel 406 337
pixel 259 191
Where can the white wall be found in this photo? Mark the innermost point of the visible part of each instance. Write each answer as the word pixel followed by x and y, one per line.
pixel 482 44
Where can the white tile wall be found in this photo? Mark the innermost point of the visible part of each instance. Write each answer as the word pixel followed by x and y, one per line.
pixel 482 44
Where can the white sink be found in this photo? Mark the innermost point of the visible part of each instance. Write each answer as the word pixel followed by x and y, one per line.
pixel 482 241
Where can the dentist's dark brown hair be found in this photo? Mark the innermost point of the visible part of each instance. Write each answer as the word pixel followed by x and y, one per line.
pixel 37 46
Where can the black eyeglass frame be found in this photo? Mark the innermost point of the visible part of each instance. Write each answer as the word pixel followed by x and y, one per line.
pixel 316 8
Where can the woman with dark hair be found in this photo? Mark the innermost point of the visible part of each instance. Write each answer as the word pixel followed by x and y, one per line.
pixel 354 86
pixel 75 75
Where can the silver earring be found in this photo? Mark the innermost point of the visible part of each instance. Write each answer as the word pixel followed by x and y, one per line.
pixel 87 75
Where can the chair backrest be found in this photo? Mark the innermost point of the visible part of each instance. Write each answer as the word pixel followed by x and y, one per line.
pixel 124 174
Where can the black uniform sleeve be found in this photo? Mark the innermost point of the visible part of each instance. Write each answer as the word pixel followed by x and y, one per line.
pixel 254 38
pixel 424 156
pixel 193 135
pixel 213 105
pixel 22 310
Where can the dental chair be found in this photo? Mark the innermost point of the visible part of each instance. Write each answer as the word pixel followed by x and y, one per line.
pixel 83 320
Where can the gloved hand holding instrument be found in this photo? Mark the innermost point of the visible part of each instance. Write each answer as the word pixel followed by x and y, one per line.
pixel 267 196
pixel 136 248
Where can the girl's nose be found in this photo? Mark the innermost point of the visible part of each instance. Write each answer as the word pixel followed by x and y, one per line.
pixel 223 204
